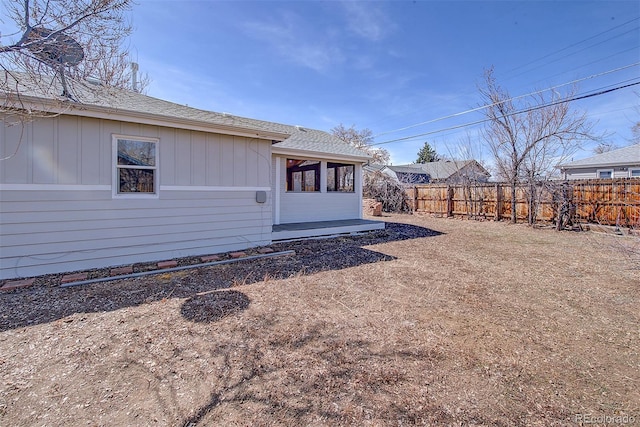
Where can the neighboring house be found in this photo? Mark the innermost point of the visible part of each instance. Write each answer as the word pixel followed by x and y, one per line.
pixel 408 174
pixel 443 171
pixel 123 178
pixel 620 163
pixel 401 174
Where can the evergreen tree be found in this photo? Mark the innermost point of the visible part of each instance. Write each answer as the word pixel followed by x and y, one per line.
pixel 427 154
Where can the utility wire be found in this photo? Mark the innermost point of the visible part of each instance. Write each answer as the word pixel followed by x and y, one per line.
pixel 507 100
pixel 442 138
pixel 575 44
pixel 576 98
pixel 590 63
pixel 573 53
pixel 540 59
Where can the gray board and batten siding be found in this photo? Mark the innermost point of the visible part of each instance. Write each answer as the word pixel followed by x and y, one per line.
pixel 58 211
pixel 593 172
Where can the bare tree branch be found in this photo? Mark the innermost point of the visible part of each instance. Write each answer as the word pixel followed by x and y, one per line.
pixel 527 141
pixel 67 40
pixel 362 139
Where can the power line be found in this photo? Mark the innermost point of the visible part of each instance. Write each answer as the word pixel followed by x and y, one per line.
pixel 542 58
pixel 442 137
pixel 573 53
pixel 592 62
pixel 576 44
pixel 576 98
pixel 506 100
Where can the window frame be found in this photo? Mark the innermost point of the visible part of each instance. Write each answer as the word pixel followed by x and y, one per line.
pixel 116 168
pixel 335 167
pixel 631 170
pixel 315 167
pixel 598 171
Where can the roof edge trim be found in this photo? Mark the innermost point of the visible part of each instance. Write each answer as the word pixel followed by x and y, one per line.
pixel 112 113
pixel 319 154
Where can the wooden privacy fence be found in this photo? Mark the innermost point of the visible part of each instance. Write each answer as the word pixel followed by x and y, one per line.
pixel 603 201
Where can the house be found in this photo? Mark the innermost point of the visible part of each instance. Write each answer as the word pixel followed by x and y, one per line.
pixel 620 163
pixel 121 177
pixel 401 174
pixel 443 171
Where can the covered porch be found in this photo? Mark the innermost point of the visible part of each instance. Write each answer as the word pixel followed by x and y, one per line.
pixel 301 230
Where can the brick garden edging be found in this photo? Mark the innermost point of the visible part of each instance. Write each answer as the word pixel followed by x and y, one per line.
pixel 17 284
pixel 81 276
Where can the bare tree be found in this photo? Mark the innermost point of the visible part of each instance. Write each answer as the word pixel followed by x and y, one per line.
pixel 113 67
pixel 635 132
pixel 527 139
pixel 470 177
pixel 635 128
pixel 390 192
pixel 362 139
pixel 59 42
pixel 604 147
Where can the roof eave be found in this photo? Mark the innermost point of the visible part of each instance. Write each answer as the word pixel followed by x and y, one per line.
pixel 319 154
pixel 112 113
pixel 598 165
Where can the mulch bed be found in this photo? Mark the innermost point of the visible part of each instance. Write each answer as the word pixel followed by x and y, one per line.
pixel 473 324
pixel 307 249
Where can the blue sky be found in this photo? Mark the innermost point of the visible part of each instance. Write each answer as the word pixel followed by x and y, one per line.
pixel 388 65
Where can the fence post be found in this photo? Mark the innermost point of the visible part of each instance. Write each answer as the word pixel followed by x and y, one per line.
pixel 499 207
pixel 449 201
pixel 573 212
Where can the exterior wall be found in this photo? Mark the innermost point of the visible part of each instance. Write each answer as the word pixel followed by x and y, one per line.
pixel 592 173
pixel 58 213
pixel 317 206
pixel 584 173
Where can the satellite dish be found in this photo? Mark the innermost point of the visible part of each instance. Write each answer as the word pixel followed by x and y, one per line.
pixel 57 49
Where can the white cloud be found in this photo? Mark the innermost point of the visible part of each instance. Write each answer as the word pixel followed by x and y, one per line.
pixel 367 21
pixel 292 40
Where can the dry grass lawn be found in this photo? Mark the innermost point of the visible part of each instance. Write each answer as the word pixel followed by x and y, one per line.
pixel 434 322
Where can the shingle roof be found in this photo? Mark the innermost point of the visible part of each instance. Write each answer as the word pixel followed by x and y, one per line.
pixel 374 167
pixel 408 169
pixel 436 170
pixel 123 101
pixel 319 142
pixel 621 156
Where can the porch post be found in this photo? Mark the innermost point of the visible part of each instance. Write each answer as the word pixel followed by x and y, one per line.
pixel 276 191
pixel 357 186
pixel 323 176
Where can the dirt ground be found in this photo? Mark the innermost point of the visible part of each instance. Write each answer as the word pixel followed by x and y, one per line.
pixel 431 322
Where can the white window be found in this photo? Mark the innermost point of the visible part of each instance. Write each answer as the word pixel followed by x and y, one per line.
pixel 135 166
pixel 605 173
pixel 633 173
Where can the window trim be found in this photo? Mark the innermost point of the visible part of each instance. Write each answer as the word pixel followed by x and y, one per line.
pixel 317 168
pixel 115 185
pixel 598 171
pixel 631 172
pixel 335 167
